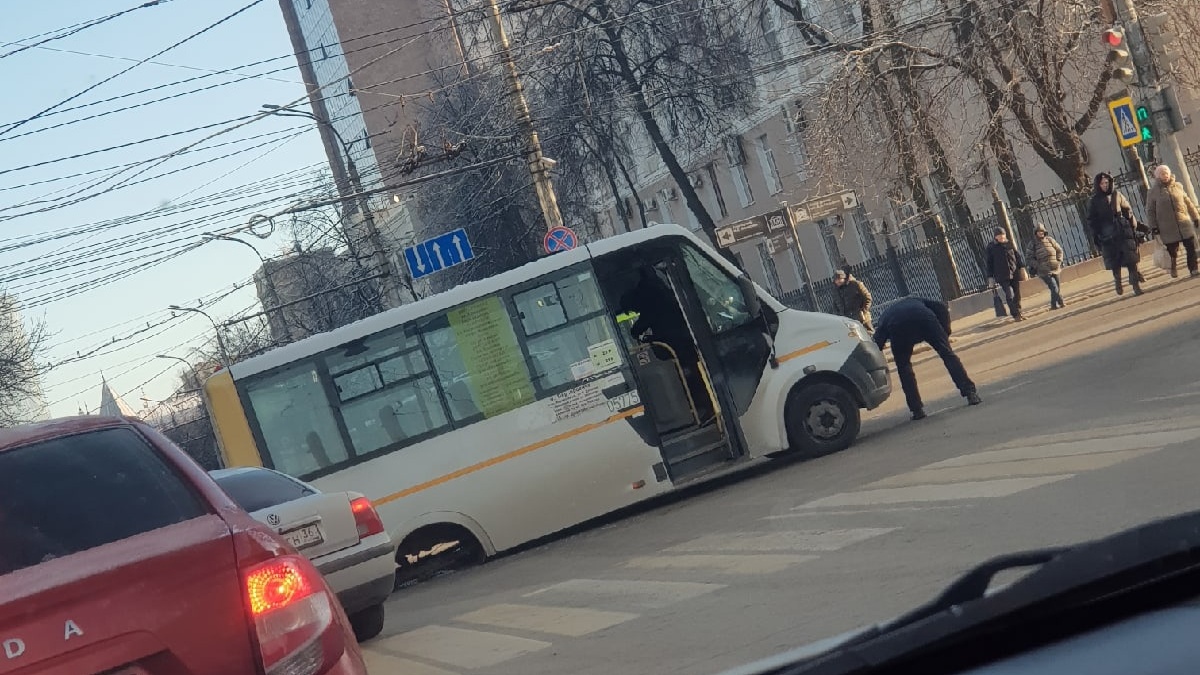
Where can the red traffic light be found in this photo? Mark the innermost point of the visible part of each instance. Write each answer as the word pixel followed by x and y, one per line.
pixel 1113 38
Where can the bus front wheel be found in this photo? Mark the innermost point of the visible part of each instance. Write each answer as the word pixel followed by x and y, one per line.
pixel 821 418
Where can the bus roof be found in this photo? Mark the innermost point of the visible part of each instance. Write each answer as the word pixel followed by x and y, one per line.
pixel 397 316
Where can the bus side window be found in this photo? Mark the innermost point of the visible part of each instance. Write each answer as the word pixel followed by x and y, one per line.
pixel 296 420
pixel 719 293
pixel 568 333
pixel 385 390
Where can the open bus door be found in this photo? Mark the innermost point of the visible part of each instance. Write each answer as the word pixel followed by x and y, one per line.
pixel 693 381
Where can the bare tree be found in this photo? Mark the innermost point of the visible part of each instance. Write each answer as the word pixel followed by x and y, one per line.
pixel 683 73
pixel 494 204
pixel 22 344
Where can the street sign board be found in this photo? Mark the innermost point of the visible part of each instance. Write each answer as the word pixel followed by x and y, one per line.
pixel 824 206
pixel 758 226
pixel 560 239
pixel 741 231
pixel 778 243
pixel 1125 122
pixel 438 253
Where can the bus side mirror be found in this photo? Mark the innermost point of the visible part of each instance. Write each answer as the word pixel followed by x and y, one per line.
pixel 749 296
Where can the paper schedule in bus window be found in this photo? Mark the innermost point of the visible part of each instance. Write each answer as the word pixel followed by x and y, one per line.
pixel 499 379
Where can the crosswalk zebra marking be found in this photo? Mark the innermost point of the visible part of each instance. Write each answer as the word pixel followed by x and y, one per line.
pixel 567 621
pixel 460 647
pixel 758 563
pixel 984 489
pixel 783 540
pixel 1041 466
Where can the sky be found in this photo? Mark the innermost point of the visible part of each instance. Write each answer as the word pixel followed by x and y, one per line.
pixel 98 257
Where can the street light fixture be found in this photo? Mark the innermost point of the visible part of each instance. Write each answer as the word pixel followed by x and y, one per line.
pixel 220 340
pixel 189 364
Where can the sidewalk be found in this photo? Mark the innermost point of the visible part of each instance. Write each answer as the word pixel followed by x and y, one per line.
pixel 1080 293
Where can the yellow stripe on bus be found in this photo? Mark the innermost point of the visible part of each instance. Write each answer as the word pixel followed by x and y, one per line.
pixel 232 430
pixel 801 352
pixel 509 455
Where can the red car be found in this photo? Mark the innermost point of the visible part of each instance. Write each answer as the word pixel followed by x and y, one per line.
pixel 120 555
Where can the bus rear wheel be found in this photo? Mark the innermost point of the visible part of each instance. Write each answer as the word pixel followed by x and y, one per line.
pixel 821 418
pixel 436 550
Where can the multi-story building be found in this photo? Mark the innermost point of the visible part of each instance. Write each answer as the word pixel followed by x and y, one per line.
pixel 312 292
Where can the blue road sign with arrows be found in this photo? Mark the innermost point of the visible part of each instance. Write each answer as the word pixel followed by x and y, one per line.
pixel 1124 121
pixel 438 253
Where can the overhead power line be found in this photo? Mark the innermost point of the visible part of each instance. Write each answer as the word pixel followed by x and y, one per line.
pixel 110 78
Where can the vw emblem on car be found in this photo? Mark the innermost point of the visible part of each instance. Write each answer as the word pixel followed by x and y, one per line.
pixel 272 520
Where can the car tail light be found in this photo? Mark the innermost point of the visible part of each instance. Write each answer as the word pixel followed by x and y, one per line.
pixel 294 617
pixel 366 517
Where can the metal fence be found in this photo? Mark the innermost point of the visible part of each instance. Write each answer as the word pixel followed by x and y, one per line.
pixel 922 268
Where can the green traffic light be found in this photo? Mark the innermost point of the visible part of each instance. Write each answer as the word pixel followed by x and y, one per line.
pixel 1142 113
pixel 1147 134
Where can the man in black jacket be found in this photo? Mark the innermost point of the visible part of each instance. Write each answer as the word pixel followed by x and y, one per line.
pixel 908 322
pixel 1003 262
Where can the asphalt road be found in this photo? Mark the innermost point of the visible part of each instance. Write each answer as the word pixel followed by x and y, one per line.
pixel 1087 427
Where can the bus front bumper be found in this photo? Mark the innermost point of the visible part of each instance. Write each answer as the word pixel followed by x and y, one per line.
pixel 867 368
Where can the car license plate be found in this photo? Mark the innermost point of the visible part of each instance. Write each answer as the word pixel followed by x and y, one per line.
pixel 304 537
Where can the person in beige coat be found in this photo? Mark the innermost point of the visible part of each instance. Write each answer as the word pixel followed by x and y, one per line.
pixel 1172 217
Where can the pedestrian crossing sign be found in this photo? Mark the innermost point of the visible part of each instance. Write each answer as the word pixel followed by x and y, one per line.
pixel 1124 121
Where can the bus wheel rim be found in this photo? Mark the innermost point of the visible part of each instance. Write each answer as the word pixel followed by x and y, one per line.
pixel 825 419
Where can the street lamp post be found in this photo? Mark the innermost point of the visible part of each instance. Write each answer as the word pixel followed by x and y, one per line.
pixel 220 340
pixel 272 292
pixel 379 252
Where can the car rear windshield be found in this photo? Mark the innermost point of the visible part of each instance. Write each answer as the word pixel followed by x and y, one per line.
pixel 73 493
pixel 260 489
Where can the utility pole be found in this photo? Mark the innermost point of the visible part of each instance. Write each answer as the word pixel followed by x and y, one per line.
pixel 539 166
pixel 1157 96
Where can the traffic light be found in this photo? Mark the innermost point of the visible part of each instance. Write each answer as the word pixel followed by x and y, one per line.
pixel 1118 55
pixel 1159 39
pixel 1143 118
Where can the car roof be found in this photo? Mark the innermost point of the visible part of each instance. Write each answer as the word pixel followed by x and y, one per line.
pixel 13 437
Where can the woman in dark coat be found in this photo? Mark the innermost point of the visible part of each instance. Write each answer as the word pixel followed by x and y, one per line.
pixel 1113 230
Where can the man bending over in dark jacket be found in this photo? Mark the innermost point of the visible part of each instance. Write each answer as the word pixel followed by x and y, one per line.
pixel 908 322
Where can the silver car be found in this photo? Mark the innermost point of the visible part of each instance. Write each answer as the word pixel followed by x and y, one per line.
pixel 340 532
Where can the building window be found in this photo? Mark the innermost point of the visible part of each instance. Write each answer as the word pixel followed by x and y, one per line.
pixel 324 52
pixel 830 238
pixel 711 170
pixel 366 137
pixel 741 183
pixel 766 158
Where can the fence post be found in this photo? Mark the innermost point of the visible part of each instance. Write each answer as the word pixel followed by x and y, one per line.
pixel 950 285
pixel 1003 218
pixel 894 264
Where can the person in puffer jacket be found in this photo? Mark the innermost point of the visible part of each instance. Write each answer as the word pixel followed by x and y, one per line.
pixel 1172 217
pixel 1045 260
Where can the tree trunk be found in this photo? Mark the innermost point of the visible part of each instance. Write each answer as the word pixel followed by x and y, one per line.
pixel 646 115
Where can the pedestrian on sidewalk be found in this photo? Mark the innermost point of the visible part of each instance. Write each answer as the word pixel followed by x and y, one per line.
pixel 1172 217
pixel 1113 228
pixel 1045 260
pixel 1004 266
pixel 908 322
pixel 854 300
